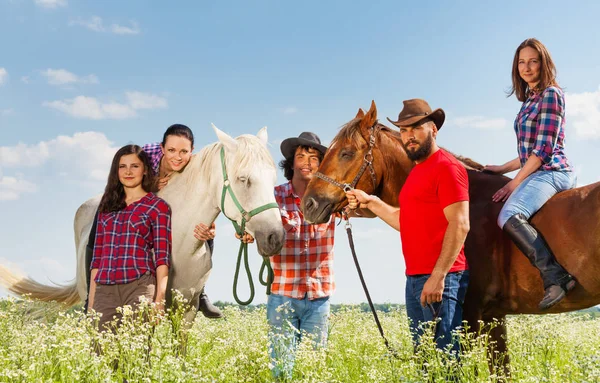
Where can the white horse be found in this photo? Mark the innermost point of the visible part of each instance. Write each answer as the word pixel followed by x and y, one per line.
pixel 194 196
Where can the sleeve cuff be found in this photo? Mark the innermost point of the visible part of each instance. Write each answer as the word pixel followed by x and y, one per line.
pixel 163 261
pixel 542 154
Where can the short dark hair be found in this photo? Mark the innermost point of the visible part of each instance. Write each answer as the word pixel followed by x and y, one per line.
pixel 287 164
pixel 113 198
pixel 178 130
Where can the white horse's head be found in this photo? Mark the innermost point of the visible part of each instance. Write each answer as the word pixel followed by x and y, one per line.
pixel 252 176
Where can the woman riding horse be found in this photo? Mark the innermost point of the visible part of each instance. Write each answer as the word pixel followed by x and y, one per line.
pixel 544 167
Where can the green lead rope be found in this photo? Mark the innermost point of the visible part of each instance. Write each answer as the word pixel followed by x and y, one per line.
pixel 240 229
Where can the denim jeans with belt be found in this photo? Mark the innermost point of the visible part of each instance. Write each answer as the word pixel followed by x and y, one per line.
pixel 449 311
pixel 289 319
pixel 534 192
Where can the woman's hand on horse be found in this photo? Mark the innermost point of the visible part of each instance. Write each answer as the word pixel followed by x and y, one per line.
pixel 356 197
pixel 203 232
pixel 246 238
pixel 504 192
pixel 496 169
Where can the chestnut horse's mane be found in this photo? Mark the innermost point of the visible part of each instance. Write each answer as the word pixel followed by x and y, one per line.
pixel 351 133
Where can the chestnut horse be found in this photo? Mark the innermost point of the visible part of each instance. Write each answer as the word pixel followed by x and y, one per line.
pixel 502 281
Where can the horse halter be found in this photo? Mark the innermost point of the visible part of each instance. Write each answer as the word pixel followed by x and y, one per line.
pixel 240 229
pixel 367 163
pixel 246 215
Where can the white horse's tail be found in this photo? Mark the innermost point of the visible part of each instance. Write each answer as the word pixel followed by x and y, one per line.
pixel 25 286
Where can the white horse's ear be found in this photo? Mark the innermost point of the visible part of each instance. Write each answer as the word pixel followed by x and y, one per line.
pixel 263 136
pixel 229 143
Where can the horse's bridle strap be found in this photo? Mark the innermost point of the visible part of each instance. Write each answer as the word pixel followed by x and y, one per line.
pixel 367 163
pixel 246 216
pixel 240 229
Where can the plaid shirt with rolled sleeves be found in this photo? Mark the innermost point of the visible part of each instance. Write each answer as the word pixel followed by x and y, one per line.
pixel 125 240
pixel 155 153
pixel 540 129
pixel 305 265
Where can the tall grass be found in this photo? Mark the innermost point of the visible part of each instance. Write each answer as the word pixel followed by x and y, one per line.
pixel 58 346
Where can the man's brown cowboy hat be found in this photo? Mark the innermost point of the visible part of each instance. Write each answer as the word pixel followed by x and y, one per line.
pixel 289 145
pixel 417 110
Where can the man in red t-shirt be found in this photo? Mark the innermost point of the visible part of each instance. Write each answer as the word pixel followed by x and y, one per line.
pixel 434 217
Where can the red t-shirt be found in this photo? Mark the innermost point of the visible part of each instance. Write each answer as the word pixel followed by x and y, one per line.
pixel 430 187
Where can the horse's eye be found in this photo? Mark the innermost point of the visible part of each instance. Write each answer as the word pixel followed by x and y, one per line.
pixel 347 155
pixel 245 180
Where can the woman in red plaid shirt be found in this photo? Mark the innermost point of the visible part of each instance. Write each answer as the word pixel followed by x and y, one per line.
pixel 132 251
pixel 544 169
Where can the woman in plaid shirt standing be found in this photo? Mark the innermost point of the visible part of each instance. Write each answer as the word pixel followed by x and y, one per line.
pixel 544 167
pixel 132 251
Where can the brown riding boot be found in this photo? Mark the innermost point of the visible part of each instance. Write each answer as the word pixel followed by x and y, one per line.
pixel 557 282
pixel 207 308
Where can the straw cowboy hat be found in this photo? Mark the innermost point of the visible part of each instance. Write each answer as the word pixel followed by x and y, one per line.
pixel 289 145
pixel 417 110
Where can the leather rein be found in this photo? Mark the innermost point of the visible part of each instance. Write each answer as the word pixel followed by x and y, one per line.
pixel 346 187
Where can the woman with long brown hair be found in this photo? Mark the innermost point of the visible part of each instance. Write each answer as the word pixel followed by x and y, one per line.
pixel 132 252
pixel 544 169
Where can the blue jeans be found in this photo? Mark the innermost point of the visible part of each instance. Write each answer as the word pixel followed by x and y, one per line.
pixel 449 311
pixel 289 319
pixel 534 192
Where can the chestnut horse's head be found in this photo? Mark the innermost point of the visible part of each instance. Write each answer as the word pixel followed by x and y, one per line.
pixel 349 161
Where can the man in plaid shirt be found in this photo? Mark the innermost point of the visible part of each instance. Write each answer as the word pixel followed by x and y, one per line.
pixel 304 269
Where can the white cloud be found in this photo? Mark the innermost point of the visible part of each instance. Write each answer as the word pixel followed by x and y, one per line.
pixel 6 112
pixel 84 156
pixel 121 30
pixel 93 24
pixel 583 113
pixel 96 24
pixel 290 110
pixel 51 3
pixel 139 100
pixel 63 77
pixel 25 79
pixel 3 76
pixel 12 187
pixel 90 108
pixel 479 122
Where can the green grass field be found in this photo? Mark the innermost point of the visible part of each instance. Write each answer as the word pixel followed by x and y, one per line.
pixel 57 346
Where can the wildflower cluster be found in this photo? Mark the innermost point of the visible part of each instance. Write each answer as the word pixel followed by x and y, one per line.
pixel 43 343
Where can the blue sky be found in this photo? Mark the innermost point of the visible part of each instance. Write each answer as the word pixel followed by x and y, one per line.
pixel 78 79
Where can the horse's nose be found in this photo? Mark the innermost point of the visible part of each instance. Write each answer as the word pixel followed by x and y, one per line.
pixel 274 240
pixel 271 243
pixel 310 204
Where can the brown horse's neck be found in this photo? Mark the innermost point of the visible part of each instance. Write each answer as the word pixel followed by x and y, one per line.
pixel 395 164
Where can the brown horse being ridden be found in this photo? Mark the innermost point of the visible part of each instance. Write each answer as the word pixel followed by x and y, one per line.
pixel 502 281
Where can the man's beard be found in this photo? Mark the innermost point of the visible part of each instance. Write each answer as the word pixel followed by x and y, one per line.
pixel 422 152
